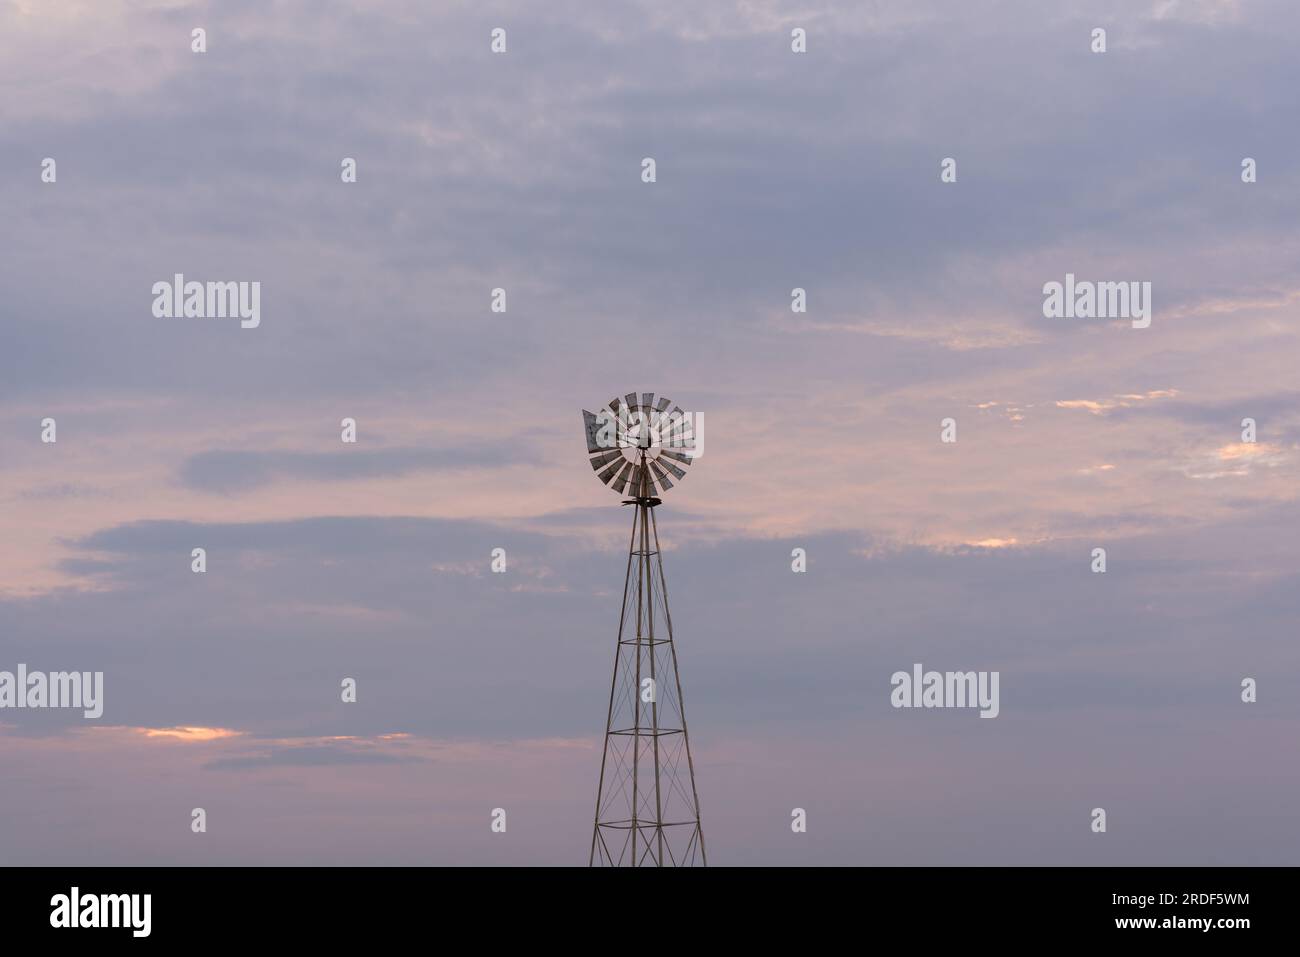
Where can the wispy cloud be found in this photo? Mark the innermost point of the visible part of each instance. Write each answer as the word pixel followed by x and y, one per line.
pixel 241 471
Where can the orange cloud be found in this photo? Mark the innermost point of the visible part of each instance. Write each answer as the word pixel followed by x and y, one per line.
pixel 189 733
pixel 1120 401
pixel 1234 451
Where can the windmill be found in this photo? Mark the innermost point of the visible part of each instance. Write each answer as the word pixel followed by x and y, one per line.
pixel 647 807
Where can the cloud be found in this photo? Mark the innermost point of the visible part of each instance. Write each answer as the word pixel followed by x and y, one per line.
pixel 1103 406
pixel 240 471
pixel 410 609
pixel 188 734
pixel 309 756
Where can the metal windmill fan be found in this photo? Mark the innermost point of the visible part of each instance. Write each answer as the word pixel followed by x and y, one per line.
pixel 639 447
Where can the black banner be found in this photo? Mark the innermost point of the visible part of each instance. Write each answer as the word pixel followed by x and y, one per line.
pixel 1152 906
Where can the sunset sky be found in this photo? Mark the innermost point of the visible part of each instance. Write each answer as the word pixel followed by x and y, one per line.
pixel 822 430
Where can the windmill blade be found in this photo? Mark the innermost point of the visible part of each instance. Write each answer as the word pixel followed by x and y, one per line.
pixel 608 475
pixel 664 402
pixel 676 420
pixel 676 457
pixel 681 435
pixel 661 476
pixel 636 428
pixel 677 473
pixel 592 423
pixel 647 400
pixel 658 420
pixel 598 462
pixel 620 483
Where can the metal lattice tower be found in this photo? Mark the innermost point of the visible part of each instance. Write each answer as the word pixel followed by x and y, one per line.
pixel 647 806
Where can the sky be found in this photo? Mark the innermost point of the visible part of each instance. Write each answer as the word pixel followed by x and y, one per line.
pixel 774 170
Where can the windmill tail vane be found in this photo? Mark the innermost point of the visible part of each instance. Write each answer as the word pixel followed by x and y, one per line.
pixel 647 804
